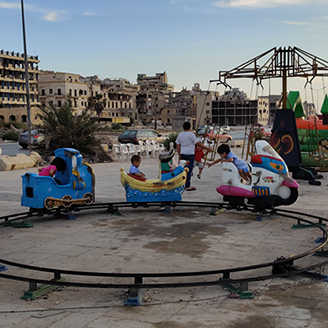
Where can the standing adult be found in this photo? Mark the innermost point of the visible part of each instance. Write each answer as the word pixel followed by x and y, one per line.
pixel 186 142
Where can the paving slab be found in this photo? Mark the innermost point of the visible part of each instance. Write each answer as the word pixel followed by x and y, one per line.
pixel 147 240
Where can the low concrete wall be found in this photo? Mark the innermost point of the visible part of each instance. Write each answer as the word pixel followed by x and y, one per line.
pixel 236 143
pixel 19 161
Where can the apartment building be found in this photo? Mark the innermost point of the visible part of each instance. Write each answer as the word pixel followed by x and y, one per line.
pixel 159 82
pixel 56 86
pixel 266 109
pixel 120 97
pixel 232 108
pixel 181 107
pixel 13 103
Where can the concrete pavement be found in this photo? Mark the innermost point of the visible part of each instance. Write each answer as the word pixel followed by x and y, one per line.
pixel 147 240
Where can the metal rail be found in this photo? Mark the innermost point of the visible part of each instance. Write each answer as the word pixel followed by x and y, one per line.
pixel 222 276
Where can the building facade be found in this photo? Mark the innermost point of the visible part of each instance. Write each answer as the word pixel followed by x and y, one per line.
pixel 235 108
pixel 120 97
pixel 13 102
pixel 159 82
pixel 267 107
pixel 54 87
pixel 181 107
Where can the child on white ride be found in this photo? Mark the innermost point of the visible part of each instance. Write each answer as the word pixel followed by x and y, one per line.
pixel 229 156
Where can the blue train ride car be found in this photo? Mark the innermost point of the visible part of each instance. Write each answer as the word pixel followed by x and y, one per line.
pixel 77 184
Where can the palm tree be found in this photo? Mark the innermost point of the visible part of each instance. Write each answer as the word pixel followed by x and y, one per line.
pixel 97 103
pixel 62 129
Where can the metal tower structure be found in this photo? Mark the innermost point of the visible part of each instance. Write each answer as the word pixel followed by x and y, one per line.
pixel 278 63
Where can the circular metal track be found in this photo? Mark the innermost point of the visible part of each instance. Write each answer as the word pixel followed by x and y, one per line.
pixel 223 274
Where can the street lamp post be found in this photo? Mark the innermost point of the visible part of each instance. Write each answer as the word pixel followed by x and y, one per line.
pixel 156 103
pixel 28 106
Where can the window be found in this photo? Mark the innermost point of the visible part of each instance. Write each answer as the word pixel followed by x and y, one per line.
pixel 75 93
pixel 59 103
pixel 50 91
pixel 142 133
pixel 207 104
pixel 59 92
pixel 51 102
pixel 24 119
pixel 70 92
pixel 43 92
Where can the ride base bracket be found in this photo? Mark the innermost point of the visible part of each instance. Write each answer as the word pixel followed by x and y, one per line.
pixel 36 292
pixel 242 291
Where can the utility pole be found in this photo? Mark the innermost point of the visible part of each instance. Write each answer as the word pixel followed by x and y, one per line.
pixel 156 103
pixel 28 106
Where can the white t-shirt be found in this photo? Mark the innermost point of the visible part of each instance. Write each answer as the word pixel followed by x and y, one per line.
pixel 187 141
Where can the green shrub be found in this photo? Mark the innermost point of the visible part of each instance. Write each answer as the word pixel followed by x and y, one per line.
pixel 117 127
pixel 172 137
pixel 11 135
pixel 17 125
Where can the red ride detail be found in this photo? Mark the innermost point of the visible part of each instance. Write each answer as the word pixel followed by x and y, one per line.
pixel 256 159
pixel 135 177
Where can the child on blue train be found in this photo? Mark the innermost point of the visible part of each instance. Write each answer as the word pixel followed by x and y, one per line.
pixel 58 164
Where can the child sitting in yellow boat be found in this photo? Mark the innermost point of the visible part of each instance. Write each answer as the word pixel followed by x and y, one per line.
pixel 134 169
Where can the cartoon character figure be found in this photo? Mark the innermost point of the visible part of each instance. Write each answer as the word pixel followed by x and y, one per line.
pixel 168 163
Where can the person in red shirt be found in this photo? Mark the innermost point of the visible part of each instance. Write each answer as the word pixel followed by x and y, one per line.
pixel 199 155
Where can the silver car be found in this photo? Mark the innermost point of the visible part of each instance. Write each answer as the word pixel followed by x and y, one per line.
pixel 23 138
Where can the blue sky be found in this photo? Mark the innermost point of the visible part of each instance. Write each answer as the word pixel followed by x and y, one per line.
pixel 192 40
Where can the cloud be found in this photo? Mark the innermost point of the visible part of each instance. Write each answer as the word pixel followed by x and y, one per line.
pixel 14 5
pixel 55 16
pixel 264 3
pixel 10 5
pixel 176 1
pixel 89 13
pixel 52 16
pixel 296 23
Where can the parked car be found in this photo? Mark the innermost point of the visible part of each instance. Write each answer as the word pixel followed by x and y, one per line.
pixel 23 138
pixel 215 133
pixel 200 127
pixel 134 136
pixel 265 131
pixel 225 128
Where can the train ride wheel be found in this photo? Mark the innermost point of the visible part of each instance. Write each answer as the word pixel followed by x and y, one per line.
pixel 49 203
pixel 67 201
pixel 87 198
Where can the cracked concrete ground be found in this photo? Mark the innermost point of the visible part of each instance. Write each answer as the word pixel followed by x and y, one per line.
pixel 147 240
